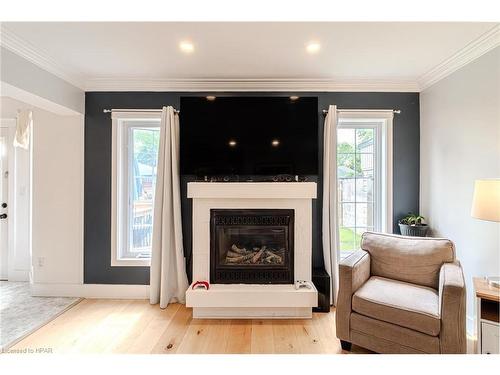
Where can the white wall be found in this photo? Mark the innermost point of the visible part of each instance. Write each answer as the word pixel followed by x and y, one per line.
pixel 56 194
pixel 460 142
pixel 57 209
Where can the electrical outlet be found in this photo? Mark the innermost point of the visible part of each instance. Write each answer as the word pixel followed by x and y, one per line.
pixel 41 261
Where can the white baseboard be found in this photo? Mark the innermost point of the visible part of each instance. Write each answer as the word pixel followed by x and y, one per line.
pixel 17 275
pixel 90 290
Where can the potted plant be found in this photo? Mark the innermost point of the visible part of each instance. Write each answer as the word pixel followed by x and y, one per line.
pixel 413 225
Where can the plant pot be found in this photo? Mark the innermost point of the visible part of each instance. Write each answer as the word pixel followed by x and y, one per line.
pixel 414 230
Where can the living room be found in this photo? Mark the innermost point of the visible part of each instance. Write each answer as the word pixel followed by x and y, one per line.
pixel 269 185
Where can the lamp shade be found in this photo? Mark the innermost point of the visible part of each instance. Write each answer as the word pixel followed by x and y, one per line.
pixel 486 200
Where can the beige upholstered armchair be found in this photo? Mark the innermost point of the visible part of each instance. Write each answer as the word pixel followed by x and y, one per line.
pixel 402 295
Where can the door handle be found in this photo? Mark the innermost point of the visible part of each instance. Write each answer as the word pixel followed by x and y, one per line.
pixel 3 216
pixel 4 205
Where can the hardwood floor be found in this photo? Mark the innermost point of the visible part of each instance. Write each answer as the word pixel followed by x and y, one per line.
pixel 135 326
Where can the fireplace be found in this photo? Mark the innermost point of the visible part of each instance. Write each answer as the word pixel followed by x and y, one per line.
pixel 227 214
pixel 253 246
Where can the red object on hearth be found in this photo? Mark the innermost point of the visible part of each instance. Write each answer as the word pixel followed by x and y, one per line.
pixel 204 283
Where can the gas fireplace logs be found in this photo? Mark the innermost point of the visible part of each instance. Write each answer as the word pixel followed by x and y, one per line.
pixel 256 256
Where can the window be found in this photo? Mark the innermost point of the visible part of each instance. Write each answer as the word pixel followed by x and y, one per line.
pixel 364 175
pixel 136 138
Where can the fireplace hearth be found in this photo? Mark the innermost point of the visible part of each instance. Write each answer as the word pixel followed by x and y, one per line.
pixel 251 246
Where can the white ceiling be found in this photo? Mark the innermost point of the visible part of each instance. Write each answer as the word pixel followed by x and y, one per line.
pixel 395 52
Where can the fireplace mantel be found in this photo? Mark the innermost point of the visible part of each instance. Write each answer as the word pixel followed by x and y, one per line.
pixel 276 190
pixel 223 301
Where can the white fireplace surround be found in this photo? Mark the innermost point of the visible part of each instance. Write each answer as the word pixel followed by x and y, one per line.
pixel 245 300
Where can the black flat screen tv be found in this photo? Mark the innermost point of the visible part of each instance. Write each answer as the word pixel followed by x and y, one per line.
pixel 226 136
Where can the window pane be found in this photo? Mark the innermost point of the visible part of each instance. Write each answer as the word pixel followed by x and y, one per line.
pixel 370 215
pixel 346 165
pixel 356 150
pixel 347 239
pixel 346 140
pixel 364 190
pixel 347 214
pixel 364 215
pixel 364 140
pixel 346 190
pixel 143 170
pixel 361 214
pixel 364 165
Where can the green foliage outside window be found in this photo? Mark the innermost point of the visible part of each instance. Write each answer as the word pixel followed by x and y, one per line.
pixel 146 144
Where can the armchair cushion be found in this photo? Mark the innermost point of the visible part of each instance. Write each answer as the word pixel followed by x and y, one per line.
pixel 407 305
pixel 416 260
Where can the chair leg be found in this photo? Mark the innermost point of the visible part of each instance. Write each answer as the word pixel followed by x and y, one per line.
pixel 346 345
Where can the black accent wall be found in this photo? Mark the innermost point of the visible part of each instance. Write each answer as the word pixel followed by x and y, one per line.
pixel 97 216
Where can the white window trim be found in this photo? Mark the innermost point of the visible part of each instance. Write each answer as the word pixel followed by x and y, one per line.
pixel 117 216
pixel 383 121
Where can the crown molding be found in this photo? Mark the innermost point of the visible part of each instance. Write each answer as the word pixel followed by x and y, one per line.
pixel 475 49
pixel 469 53
pixel 26 50
pixel 242 85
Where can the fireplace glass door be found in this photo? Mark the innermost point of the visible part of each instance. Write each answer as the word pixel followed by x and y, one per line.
pixel 252 246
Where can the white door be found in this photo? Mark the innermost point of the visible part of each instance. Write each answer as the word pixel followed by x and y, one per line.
pixel 5 148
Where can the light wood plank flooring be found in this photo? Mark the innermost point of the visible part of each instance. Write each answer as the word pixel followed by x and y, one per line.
pixel 135 326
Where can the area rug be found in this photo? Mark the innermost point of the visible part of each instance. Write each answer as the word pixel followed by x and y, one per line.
pixel 22 314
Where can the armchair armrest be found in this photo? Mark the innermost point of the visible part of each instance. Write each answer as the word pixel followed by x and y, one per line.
pixel 452 304
pixel 353 272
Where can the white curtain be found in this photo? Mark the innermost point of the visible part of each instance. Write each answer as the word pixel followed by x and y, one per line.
pixel 330 221
pixel 168 280
pixel 23 126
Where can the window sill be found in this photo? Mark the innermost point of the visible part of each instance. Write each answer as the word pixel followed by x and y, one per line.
pixel 130 262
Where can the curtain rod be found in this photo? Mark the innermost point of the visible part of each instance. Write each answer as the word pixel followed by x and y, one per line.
pixel 135 110
pixel 397 111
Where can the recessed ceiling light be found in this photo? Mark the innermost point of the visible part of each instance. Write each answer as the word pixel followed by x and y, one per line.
pixel 293 97
pixel 275 142
pixel 210 98
pixel 186 47
pixel 232 143
pixel 313 47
